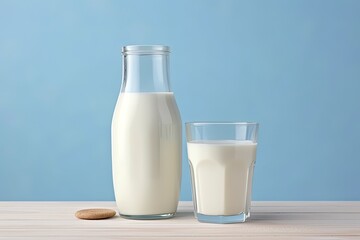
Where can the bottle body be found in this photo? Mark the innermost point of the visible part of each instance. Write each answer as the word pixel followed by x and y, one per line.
pixel 146 153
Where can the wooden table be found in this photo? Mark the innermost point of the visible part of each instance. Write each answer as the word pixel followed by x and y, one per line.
pixel 270 220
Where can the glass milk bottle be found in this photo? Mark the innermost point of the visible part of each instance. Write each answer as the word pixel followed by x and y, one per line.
pixel 146 137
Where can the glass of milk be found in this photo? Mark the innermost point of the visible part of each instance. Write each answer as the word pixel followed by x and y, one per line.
pixel 222 158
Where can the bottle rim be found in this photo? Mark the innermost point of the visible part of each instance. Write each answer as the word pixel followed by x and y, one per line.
pixel 145 49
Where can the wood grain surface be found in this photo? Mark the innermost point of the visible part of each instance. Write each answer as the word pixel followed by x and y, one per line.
pixel 269 220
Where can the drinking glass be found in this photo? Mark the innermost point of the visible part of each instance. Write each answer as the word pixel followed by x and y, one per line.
pixel 221 158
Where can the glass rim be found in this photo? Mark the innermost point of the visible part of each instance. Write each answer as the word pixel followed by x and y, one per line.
pixel 207 123
pixel 145 49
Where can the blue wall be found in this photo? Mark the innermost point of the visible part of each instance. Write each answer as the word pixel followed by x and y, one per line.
pixel 293 66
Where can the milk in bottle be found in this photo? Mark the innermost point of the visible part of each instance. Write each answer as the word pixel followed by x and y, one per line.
pixel 146 137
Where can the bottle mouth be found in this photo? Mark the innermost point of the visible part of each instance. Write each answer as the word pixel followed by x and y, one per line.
pixel 145 49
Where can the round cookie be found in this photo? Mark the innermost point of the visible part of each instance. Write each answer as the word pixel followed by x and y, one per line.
pixel 95 213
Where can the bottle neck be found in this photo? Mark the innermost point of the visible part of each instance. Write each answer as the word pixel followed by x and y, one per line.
pixel 145 73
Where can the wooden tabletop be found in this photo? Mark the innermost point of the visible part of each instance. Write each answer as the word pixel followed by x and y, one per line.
pixel 269 220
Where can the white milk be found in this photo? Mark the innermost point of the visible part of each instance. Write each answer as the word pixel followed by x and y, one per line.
pixel 222 172
pixel 146 131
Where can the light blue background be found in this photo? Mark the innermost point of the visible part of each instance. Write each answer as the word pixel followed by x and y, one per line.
pixel 293 66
